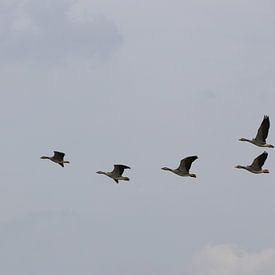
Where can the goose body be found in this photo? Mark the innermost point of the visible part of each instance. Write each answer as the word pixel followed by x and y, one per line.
pixel 260 139
pixel 184 167
pixel 58 157
pixel 117 172
pixel 257 164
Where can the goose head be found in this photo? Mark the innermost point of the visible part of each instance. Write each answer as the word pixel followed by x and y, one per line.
pixel 243 139
pixel 166 169
pixel 45 157
pixel 101 172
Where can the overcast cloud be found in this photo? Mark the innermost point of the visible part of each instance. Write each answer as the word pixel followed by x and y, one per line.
pixel 232 260
pixel 143 83
pixel 53 31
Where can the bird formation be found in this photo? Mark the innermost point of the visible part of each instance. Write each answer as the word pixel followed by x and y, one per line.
pixel 260 141
pixel 185 164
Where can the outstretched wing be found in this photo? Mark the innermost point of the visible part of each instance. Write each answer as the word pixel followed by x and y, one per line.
pixel 119 169
pixel 259 161
pixel 185 163
pixel 58 155
pixel 263 130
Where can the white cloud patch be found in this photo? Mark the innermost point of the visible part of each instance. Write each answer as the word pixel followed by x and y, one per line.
pixel 229 259
pixel 51 31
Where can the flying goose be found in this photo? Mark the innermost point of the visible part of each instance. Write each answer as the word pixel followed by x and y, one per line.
pixel 260 139
pixel 256 166
pixel 183 169
pixel 117 172
pixel 58 157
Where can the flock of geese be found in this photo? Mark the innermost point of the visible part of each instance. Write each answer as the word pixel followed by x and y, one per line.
pixel 185 164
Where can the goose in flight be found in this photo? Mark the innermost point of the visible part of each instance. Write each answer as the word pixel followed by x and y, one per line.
pixel 256 166
pixel 117 172
pixel 184 167
pixel 58 157
pixel 260 139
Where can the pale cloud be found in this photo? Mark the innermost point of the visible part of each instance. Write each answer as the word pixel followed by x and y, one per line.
pixel 54 31
pixel 228 259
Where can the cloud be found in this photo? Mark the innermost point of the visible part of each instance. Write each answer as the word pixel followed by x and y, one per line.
pixel 46 242
pixel 230 259
pixel 54 31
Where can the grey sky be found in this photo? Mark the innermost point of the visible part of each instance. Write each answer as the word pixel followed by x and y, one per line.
pixel 143 83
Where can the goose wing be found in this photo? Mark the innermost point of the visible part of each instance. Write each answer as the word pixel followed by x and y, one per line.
pixel 185 163
pixel 259 161
pixel 58 155
pixel 263 129
pixel 118 169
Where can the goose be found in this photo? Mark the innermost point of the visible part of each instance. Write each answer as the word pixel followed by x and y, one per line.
pixel 260 139
pixel 183 169
pixel 256 166
pixel 58 157
pixel 117 172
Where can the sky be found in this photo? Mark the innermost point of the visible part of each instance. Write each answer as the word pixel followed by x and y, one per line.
pixel 145 84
